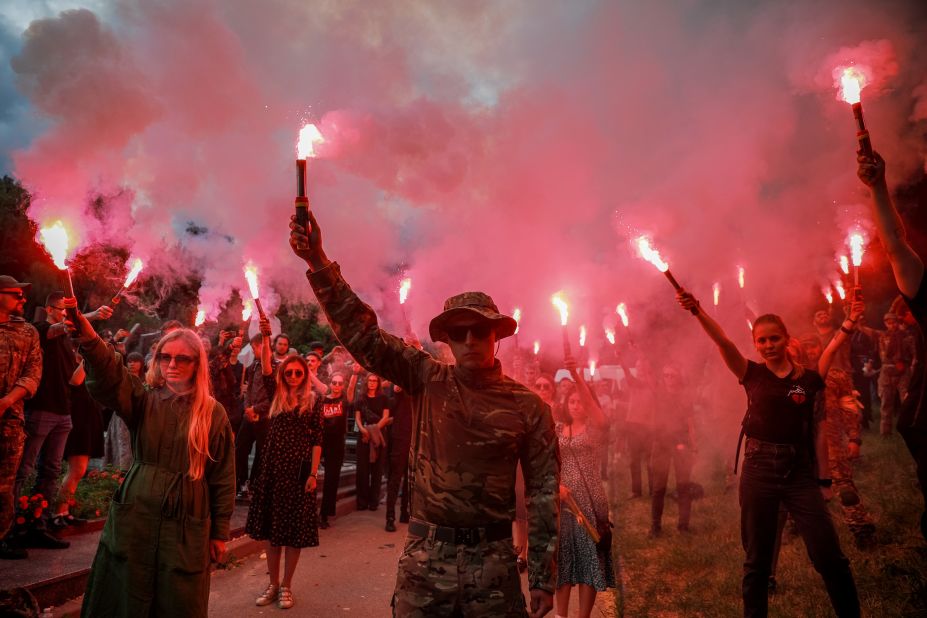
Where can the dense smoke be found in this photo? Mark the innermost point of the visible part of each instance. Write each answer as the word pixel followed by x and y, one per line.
pixel 511 147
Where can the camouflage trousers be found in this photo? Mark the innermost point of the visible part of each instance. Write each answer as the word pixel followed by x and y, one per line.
pixel 893 389
pixel 12 439
pixel 436 578
pixel 855 515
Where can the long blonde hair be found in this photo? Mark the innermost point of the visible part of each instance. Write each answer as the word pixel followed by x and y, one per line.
pixel 285 398
pixel 203 402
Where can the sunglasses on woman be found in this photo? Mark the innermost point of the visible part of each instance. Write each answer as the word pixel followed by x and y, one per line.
pixel 458 334
pixel 181 360
pixel 294 373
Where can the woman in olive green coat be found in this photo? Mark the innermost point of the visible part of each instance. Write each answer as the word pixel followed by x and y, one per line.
pixel 172 512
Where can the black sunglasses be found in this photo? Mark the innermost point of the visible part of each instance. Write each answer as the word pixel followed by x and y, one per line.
pixel 17 295
pixel 294 373
pixel 181 360
pixel 337 383
pixel 458 334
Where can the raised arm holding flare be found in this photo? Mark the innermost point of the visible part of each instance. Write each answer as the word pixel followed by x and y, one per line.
pixel 471 426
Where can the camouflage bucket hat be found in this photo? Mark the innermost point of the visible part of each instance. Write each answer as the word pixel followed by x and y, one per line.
pixel 8 282
pixel 471 303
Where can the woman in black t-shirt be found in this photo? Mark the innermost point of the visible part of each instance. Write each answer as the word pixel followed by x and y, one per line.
pixel 371 413
pixel 785 459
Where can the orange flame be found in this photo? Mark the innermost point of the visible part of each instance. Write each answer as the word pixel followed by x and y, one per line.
pixel 828 295
pixel 404 286
pixel 562 307
pixel 55 240
pixel 716 291
pixel 741 276
pixel 844 264
pixel 309 136
pixel 857 246
pixel 537 347
pixel 137 266
pixel 516 315
pixel 252 277
pixel 610 335
pixel 200 316
pixel 838 285
pixel 650 254
pixel 582 335
pixel 852 82
pixel 622 311
pixel 247 310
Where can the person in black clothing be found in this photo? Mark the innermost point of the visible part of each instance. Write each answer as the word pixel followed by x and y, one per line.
pixel 371 415
pixel 400 440
pixel 256 422
pixel 334 409
pixel 785 457
pixel 908 268
pixel 225 372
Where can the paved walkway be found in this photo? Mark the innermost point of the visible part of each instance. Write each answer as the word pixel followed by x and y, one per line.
pixel 351 573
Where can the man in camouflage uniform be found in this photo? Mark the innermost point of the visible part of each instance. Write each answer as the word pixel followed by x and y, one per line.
pixel 842 427
pixel 20 373
pixel 896 352
pixel 471 427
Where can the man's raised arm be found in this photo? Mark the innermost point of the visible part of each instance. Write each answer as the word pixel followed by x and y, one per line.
pixel 354 322
pixel 906 264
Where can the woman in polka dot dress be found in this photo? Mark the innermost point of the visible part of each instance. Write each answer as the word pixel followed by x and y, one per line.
pixel 283 510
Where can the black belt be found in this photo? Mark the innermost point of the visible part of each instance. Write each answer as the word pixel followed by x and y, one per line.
pixel 461 536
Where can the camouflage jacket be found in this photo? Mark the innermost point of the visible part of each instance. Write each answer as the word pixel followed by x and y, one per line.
pixel 470 429
pixel 841 407
pixel 20 361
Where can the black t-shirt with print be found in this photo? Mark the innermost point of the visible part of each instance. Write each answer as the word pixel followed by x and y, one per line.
pixel 780 410
pixel 334 414
pixel 913 412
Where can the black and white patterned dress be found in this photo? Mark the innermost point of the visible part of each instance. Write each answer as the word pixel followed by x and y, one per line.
pixel 281 511
pixel 580 562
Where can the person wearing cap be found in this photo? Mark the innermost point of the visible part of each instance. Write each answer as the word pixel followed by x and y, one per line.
pixel 20 374
pixel 471 427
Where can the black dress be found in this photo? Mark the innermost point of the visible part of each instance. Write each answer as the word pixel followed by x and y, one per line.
pixel 86 435
pixel 281 511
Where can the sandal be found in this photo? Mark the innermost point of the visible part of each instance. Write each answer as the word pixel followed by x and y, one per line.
pixel 284 598
pixel 268 597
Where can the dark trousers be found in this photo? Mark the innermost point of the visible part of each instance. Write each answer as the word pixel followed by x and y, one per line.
pixel 398 478
pixel 772 476
pixel 916 441
pixel 864 385
pixel 639 440
pixel 249 434
pixel 332 460
pixel 663 454
pixel 369 476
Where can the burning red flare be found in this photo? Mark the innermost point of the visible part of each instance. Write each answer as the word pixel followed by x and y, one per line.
pixel 404 287
pixel 537 347
pixel 56 242
pixel 137 266
pixel 200 316
pixel 857 247
pixel 516 315
pixel 610 335
pixel 741 276
pixel 582 335
pixel 309 137
pixel 562 307
pixel 844 264
pixel 247 310
pixel 252 277
pixel 852 82
pixel 591 368
pixel 646 251
pixel 622 311
pixel 716 292
pixel 838 285
pixel 828 295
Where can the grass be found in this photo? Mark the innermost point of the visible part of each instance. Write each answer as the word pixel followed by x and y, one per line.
pixel 699 574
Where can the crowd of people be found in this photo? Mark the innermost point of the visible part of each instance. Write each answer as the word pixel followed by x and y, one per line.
pixel 494 475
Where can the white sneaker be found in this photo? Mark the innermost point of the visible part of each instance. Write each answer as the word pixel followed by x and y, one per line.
pixel 268 597
pixel 284 598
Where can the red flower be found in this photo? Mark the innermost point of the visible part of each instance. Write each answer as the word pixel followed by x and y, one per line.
pixel 120 481
pixel 44 504
pixel 37 513
pixel 20 520
pixel 104 475
pixel 98 512
pixel 34 498
pixel 23 502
